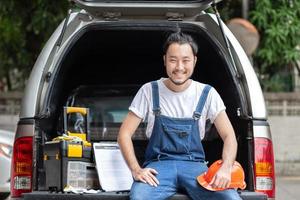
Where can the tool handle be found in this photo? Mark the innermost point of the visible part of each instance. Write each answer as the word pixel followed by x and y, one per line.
pixel 83 111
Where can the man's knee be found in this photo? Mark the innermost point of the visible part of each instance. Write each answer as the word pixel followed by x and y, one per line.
pixel 136 196
pixel 140 191
pixel 143 191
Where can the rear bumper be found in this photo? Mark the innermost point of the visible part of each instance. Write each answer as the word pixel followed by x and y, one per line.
pixel 120 196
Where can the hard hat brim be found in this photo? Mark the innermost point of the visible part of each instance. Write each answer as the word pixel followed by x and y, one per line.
pixel 202 181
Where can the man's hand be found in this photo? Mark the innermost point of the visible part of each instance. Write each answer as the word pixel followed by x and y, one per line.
pixel 146 175
pixel 222 178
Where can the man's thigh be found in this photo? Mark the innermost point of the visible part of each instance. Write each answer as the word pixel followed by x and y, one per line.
pixel 166 187
pixel 188 181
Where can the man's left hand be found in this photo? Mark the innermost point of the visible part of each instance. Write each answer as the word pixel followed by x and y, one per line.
pixel 222 178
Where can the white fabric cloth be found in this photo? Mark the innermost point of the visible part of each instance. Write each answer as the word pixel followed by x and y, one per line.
pixel 176 104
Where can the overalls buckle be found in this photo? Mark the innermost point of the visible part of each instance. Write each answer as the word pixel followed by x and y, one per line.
pixel 196 115
pixel 157 112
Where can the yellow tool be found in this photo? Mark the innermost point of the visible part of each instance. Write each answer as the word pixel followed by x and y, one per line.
pixel 83 135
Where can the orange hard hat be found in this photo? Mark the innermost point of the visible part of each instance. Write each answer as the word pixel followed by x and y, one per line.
pixel 237 176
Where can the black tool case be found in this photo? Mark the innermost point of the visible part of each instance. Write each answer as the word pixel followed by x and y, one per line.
pixel 62 156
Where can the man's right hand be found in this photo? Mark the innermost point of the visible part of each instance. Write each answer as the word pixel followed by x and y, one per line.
pixel 127 129
pixel 146 175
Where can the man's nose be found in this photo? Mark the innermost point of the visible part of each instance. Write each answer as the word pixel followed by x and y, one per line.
pixel 180 65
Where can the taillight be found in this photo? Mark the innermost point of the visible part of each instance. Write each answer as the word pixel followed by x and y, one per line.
pixel 264 166
pixel 21 167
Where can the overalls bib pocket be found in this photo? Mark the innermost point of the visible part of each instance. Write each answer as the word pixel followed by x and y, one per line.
pixel 176 138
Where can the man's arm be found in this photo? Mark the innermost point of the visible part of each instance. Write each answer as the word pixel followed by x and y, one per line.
pixel 223 176
pixel 128 127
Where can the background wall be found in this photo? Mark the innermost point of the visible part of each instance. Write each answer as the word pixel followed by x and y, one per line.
pixel 284 119
pixel 286 141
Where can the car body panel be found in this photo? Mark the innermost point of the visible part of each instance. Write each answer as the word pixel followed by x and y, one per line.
pixel 262 130
pixel 31 93
pixel 257 100
pixel 7 139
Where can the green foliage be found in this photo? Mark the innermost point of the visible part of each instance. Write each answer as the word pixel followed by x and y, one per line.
pixel 278 82
pixel 24 28
pixel 228 9
pixel 278 23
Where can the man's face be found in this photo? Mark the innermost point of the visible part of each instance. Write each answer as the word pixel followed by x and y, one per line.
pixel 180 62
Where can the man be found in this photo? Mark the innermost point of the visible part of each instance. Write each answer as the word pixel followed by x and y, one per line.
pixel 176 109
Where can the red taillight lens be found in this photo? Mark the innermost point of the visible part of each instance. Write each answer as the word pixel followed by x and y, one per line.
pixel 264 166
pixel 21 167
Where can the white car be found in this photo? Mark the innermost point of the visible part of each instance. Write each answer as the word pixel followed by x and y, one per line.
pixel 98 58
pixel 6 146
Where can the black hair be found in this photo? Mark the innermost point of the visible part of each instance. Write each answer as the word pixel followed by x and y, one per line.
pixel 180 38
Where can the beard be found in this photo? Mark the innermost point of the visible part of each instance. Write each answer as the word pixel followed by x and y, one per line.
pixel 179 82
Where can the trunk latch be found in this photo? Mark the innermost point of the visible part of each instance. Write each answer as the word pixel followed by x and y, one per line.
pixel 172 16
pixel 111 16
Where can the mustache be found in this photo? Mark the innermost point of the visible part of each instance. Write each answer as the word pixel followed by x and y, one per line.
pixel 178 70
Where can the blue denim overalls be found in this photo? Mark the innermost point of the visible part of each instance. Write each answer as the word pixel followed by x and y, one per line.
pixel 175 151
pixel 175 138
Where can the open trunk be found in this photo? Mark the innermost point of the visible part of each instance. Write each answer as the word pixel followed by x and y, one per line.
pixel 115 60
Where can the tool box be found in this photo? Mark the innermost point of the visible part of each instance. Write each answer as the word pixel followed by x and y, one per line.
pixel 65 153
pixel 82 175
pixel 58 156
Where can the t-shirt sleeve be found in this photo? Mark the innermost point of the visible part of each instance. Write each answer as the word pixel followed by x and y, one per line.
pixel 215 105
pixel 140 104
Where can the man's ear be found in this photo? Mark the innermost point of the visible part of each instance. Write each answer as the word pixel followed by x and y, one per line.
pixel 164 57
pixel 195 60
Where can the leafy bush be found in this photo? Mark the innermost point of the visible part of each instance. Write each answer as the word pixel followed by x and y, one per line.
pixel 24 28
pixel 279 25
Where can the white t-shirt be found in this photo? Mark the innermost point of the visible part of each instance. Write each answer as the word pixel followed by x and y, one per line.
pixel 176 104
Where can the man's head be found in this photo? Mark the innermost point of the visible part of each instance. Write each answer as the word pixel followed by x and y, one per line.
pixel 180 38
pixel 180 52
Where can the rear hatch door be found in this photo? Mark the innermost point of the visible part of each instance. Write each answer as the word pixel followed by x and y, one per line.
pixel 186 8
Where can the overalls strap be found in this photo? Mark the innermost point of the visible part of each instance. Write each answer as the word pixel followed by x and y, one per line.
pixel 155 98
pixel 201 102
